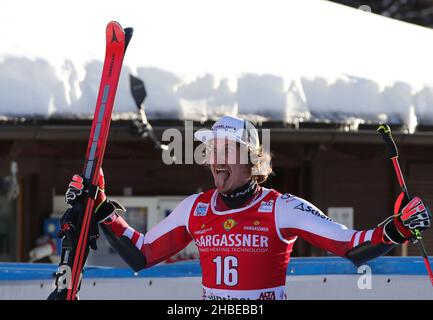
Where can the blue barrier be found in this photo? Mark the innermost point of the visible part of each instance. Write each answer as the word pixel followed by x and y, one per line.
pixel 297 267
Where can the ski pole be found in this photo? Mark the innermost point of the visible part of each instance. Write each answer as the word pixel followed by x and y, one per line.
pixel 385 131
pixel 139 94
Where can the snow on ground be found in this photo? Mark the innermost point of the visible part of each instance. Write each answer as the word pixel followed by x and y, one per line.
pixel 291 61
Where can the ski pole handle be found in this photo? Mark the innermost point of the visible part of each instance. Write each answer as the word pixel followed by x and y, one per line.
pixel 385 132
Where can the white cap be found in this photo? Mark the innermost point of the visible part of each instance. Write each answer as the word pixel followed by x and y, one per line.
pixel 232 128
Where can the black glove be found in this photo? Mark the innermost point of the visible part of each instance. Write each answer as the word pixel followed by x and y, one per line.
pixel 69 225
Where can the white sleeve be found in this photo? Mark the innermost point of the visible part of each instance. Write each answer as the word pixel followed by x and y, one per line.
pixel 297 217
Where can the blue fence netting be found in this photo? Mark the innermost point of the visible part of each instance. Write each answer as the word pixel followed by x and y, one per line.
pixel 297 267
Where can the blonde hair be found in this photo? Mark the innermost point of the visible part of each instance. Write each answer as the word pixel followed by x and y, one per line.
pixel 261 165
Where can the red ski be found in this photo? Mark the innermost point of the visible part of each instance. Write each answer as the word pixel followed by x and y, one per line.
pixel 74 251
pixel 116 44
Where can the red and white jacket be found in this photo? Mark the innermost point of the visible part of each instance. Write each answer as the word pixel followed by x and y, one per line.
pixel 244 252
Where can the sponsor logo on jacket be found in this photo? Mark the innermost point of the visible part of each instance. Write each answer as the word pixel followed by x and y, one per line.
pixel 267 295
pixel 233 240
pixel 256 227
pixel 307 208
pixel 286 196
pixel 229 224
pixel 266 206
pixel 201 209
pixel 212 296
pixel 203 229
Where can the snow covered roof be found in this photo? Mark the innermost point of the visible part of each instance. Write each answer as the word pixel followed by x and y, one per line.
pixel 290 61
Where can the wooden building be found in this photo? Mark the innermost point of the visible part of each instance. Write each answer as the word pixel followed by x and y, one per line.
pixel 325 164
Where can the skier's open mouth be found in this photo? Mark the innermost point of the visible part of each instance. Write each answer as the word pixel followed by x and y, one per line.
pixel 221 176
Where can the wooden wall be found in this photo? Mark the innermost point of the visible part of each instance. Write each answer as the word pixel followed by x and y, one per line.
pixel 338 174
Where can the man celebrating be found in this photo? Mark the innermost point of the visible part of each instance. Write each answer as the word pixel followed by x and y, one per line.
pixel 245 232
